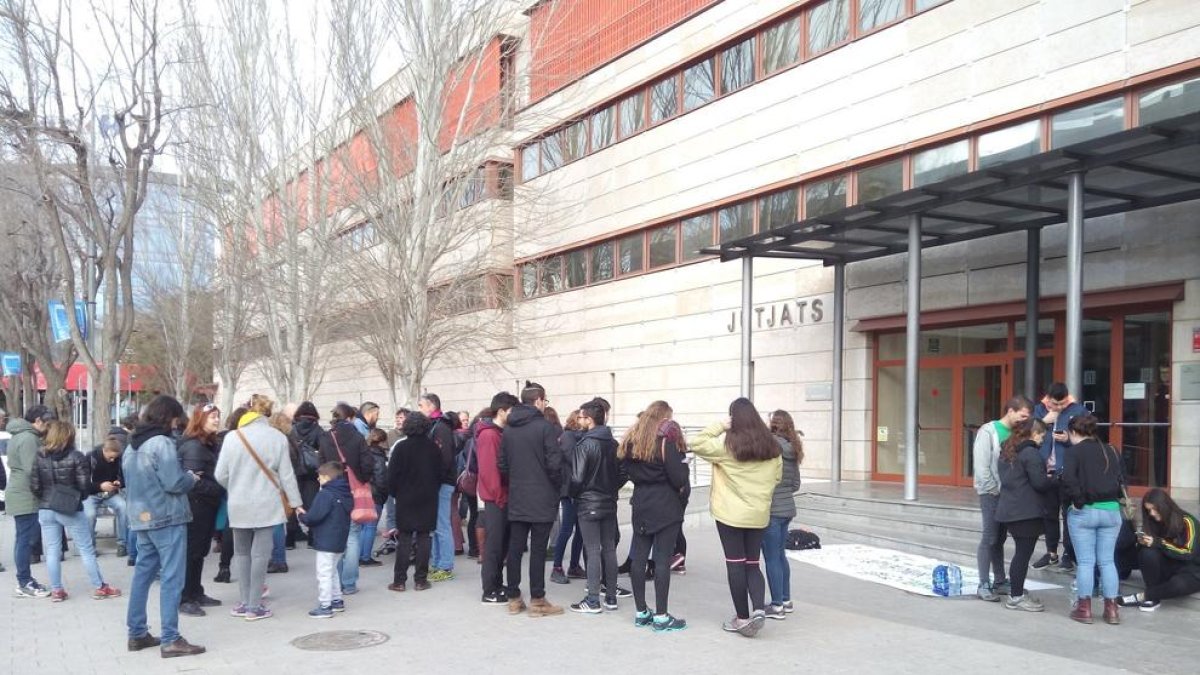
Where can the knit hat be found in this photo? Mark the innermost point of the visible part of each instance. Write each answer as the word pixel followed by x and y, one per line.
pixel 307 409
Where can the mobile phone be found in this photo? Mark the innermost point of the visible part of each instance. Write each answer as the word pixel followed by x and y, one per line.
pixel 1139 534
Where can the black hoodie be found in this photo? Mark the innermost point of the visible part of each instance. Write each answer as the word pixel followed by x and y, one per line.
pixel 595 475
pixel 532 460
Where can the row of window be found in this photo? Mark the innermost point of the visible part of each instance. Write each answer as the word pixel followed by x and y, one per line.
pixel 800 36
pixel 680 242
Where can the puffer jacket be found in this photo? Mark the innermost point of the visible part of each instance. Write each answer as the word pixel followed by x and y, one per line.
pixel 596 475
pixel 67 467
pixel 783 501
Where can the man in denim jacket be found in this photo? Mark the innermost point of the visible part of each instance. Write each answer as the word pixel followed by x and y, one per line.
pixel 156 490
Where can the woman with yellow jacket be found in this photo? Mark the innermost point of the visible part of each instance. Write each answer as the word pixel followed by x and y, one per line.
pixel 746 469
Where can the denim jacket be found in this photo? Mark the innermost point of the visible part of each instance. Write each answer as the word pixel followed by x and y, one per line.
pixel 156 485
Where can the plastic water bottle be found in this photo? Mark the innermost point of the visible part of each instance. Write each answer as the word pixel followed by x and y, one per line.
pixel 947 580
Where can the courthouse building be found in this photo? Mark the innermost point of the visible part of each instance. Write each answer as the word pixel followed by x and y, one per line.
pixel 653 132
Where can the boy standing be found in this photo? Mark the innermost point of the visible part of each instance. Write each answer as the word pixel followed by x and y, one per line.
pixel 328 520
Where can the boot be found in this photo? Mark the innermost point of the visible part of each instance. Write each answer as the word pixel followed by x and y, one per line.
pixel 1112 615
pixel 1082 612
pixel 516 605
pixel 539 607
pixel 222 575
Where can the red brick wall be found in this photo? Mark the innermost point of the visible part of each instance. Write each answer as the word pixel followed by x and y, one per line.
pixel 570 38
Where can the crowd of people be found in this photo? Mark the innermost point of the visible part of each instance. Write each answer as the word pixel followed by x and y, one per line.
pixel 181 484
pixel 1039 463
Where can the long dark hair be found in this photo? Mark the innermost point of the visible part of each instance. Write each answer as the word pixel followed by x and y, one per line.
pixel 784 427
pixel 1022 433
pixel 748 438
pixel 1172 526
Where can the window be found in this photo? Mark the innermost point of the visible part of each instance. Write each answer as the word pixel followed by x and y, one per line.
pixel 633 114
pixel 698 85
pixel 504 182
pixel 530 167
pixel 824 197
pixel 629 255
pixel 781 45
pixel 777 209
pixel 552 156
pixel 576 268
pixel 875 13
pixel 934 164
pixel 926 4
pixel 1009 143
pixel 828 25
pixel 1088 122
pixel 1170 101
pixel 697 234
pixel 600 261
pixel 880 180
pixel 573 141
pixel 552 274
pixel 472 189
pixel 602 128
pixel 664 99
pixel 736 221
pixel 737 66
pixel 529 280
pixel 662 246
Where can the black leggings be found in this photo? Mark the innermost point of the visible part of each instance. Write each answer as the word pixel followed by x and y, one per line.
pixel 1025 534
pixel 1165 577
pixel 742 548
pixel 639 550
pixel 472 503
pixel 199 541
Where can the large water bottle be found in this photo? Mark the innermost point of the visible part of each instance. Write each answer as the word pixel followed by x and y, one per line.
pixel 947 580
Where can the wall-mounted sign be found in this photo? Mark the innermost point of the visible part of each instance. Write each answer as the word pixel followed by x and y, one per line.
pixel 1134 391
pixel 1089 377
pixel 819 391
pixel 1189 384
pixel 1196 339
pixel 881 434
pixel 781 314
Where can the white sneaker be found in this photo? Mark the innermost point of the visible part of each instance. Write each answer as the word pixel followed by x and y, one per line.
pixel 32 590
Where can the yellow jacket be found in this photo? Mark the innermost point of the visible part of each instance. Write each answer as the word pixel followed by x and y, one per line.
pixel 741 491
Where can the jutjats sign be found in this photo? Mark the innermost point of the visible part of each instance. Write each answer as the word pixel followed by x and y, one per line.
pixel 781 314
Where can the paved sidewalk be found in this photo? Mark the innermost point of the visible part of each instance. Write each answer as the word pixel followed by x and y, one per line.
pixel 841 625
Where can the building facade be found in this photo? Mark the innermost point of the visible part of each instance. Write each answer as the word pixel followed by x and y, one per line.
pixel 654 129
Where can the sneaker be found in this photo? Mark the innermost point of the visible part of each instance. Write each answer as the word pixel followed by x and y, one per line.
pixel 494 598
pixel 369 562
pixel 1065 566
pixel 191 609
pixel 321 612
pixel 621 592
pixel 775 612
pixel 610 603
pixel 643 619
pixel 441 575
pixel 986 593
pixel 266 592
pixel 679 569
pixel 133 563
pixel 1002 587
pixel 666 623
pixel 238 611
pixel 1024 603
pixel 758 618
pixel 586 606
pixel 122 551
pixel 222 575
pixel 677 561
pixel 105 592
pixel 349 590
pixel 277 568
pixel 788 607
pixel 558 576
pixel 578 572
pixel 338 605
pixel 258 613
pixel 180 647
pixel 1045 561
pixel 623 569
pixel 205 601
pixel 745 627
pixel 32 590
pixel 146 641
pixel 1149 605
pixel 58 595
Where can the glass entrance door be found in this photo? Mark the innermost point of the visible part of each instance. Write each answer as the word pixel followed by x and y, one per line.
pixel 983 396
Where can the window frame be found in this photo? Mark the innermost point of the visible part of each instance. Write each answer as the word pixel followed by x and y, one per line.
pixel 711 62
pixel 798 54
pixel 655 98
pixel 641 97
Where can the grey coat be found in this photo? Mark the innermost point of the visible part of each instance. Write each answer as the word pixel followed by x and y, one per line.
pixel 783 503
pixel 254 502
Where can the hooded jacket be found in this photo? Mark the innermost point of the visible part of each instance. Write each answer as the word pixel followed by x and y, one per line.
pixel 1060 448
pixel 567 440
pixel 156 485
pixel 254 501
pixel 596 475
pixel 414 479
pixel 328 518
pixel 492 486
pixel 443 436
pixel 306 438
pixel 353 448
pixel 532 460
pixel 67 467
pixel 985 454
pixel 783 501
pixel 741 491
pixel 23 450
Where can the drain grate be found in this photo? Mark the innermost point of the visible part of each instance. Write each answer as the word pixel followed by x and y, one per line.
pixel 340 640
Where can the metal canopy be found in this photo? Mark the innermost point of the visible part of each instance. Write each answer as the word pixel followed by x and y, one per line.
pixel 1149 166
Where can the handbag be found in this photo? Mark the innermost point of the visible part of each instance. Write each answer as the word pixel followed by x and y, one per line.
pixel 287 508
pixel 363 511
pixel 468 480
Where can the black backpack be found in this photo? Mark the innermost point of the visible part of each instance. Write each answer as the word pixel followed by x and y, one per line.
pixel 802 540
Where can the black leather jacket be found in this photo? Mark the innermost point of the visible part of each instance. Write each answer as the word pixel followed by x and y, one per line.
pixel 63 467
pixel 201 459
pixel 596 476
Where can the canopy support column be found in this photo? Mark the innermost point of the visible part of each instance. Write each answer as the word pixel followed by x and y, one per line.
pixel 747 322
pixel 912 354
pixel 839 330
pixel 1074 320
pixel 1033 260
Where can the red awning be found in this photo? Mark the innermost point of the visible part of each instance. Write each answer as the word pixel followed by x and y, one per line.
pixel 133 378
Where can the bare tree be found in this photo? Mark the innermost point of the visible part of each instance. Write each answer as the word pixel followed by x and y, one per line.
pixel 53 103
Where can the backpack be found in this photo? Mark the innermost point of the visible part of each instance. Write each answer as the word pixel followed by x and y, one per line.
pixel 802 540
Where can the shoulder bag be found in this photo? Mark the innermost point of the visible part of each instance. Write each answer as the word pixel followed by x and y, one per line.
pixel 363 511
pixel 287 508
pixel 468 480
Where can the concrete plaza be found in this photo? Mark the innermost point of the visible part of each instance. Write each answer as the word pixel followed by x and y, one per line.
pixel 840 625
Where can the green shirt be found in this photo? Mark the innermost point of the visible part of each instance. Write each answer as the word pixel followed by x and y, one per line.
pixel 1002 432
pixel 1104 506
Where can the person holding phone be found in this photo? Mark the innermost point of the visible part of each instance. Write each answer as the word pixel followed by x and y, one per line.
pixel 1167 553
pixel 106 483
pixel 1057 408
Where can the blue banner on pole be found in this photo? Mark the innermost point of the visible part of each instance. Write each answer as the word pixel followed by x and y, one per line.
pixel 60 323
pixel 10 363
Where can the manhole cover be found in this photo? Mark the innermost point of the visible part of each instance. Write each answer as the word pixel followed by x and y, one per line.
pixel 340 640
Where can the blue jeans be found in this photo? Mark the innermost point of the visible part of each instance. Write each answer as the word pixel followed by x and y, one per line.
pixel 443 538
pixel 165 549
pixel 131 545
pixel 367 540
pixel 348 565
pixel 278 544
pixel 115 503
pixel 569 525
pixel 389 514
pixel 27 530
pixel 1094 536
pixel 779 572
pixel 77 525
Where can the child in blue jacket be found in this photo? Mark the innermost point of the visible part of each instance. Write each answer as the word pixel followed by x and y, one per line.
pixel 328 520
